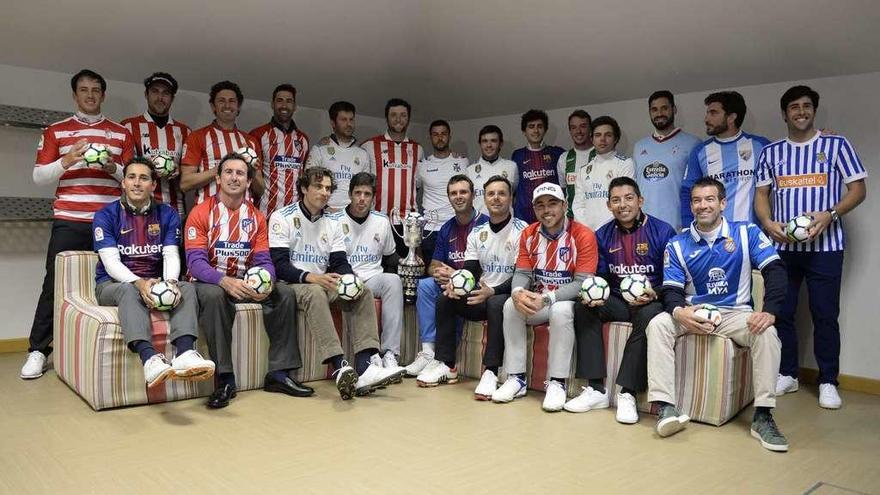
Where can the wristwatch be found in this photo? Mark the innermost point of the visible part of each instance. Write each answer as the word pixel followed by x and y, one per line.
pixel 834 216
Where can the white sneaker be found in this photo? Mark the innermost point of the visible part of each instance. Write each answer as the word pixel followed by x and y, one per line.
pixel 588 400
pixel 487 386
pixel 389 361
pixel 422 359
pixel 34 366
pixel 627 412
pixel 157 370
pixel 828 396
pixel 374 377
pixel 192 366
pixel 785 385
pixel 554 396
pixel 513 388
pixel 436 373
pixel 346 379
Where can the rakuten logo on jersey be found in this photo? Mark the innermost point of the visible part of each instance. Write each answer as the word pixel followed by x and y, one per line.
pixel 537 174
pixel 139 250
pixel 631 269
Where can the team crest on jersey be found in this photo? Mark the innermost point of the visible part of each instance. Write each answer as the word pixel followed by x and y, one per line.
pixel 376 238
pixel 588 169
pixel 729 245
pixel 565 254
pixel 357 161
pixel 508 246
pixel 108 134
pixel 324 238
pixel 331 150
pixel 642 248
pixel 609 175
pixel 247 225
pixel 299 146
pixel 547 158
pixel 153 229
pixel 483 236
pixel 191 233
pixel 821 159
pixel 456 167
pixel 345 228
pixel 477 168
pixel 296 222
pixel 40 144
pixel 99 234
pixel 745 154
pixel 504 173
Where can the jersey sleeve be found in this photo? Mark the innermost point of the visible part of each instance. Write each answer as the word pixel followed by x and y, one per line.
pixel 261 238
pixel 848 164
pixel 103 229
pixel 47 149
pixel 193 150
pixel 314 159
pixel 127 148
pixel 472 251
pixel 171 219
pixel 279 230
pixel 692 174
pixel 763 170
pixel 337 238
pixel 673 266
pixel 587 251
pixel 441 246
pixel 523 260
pixel 388 245
pixel 761 250
pixel 629 169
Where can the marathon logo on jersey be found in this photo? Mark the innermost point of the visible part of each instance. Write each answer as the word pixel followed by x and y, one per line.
pixel 395 165
pixel 717 284
pixel 232 249
pixel 623 270
pixel 733 175
pixel 553 277
pixel 287 162
pixel 806 180
pixel 655 171
pixel 565 254
pixel 540 174
pixel 247 225
pixel 138 251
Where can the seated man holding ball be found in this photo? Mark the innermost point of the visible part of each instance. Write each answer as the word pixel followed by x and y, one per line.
pixel 136 240
pixel 225 236
pixel 631 250
pixel 308 250
pixel 707 286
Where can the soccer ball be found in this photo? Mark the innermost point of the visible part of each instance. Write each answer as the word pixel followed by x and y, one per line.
pixel 709 312
pixel 249 155
pixel 595 289
pixel 165 295
pixel 634 286
pixel 463 282
pixel 798 228
pixel 349 287
pixel 164 164
pixel 96 155
pixel 259 279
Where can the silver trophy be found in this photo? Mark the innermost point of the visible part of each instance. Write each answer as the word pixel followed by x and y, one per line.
pixel 412 267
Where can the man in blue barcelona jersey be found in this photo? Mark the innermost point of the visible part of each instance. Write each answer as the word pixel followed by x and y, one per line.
pixel 137 243
pixel 711 263
pixel 535 163
pixel 632 243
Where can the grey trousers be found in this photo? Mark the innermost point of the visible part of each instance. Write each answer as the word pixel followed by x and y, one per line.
pixel 217 314
pixel 134 317
pixel 561 317
pixel 388 288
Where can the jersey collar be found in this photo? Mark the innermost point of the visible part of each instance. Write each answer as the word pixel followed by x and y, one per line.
pixel 731 139
pixel 309 216
pixel 336 140
pixel 660 139
pixel 123 201
pixel 388 138
pixel 723 233
pixel 638 223
pixel 89 119
pixel 149 118
pixel 274 123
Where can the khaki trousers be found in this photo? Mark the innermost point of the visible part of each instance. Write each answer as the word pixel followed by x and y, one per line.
pixel 315 302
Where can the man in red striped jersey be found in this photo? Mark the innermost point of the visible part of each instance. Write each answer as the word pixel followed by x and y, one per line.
pixel 82 190
pixel 284 149
pixel 155 132
pixel 394 157
pixel 206 147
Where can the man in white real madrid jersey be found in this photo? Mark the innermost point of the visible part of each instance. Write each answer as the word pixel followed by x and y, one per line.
pixel 309 253
pixel 580 128
pixel 369 244
pixel 490 164
pixel 340 154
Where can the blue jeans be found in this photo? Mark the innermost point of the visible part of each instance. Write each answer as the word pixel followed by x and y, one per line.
pixel 426 302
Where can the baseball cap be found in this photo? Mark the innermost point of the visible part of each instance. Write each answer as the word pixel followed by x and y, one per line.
pixel 164 78
pixel 548 189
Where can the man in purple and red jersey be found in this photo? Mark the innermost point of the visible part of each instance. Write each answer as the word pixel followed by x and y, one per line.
pixel 535 163
pixel 632 243
pixel 226 235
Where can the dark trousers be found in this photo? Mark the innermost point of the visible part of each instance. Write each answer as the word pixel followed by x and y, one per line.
pixel 429 242
pixel 66 236
pixel 491 310
pixel 633 372
pixel 823 272
pixel 399 245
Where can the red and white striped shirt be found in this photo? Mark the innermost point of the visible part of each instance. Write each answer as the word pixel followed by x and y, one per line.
pixel 554 261
pixel 205 147
pixel 395 167
pixel 83 190
pixel 149 141
pixel 231 237
pixel 284 156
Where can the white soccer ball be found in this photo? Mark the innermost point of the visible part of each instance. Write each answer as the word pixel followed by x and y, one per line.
pixel 463 282
pixel 259 279
pixel 96 155
pixel 634 286
pixel 709 312
pixel 798 228
pixel 164 164
pixel 249 154
pixel 595 289
pixel 349 287
pixel 165 295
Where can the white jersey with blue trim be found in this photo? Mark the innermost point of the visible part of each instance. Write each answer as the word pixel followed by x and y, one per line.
pixel 496 251
pixel 720 274
pixel 432 177
pixel 365 243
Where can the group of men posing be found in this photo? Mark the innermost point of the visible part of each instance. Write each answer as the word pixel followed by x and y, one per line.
pixel 530 229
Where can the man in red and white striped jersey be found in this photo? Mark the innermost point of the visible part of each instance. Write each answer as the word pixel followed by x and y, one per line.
pixel 284 149
pixel 205 147
pixel 394 157
pixel 82 190
pixel 155 132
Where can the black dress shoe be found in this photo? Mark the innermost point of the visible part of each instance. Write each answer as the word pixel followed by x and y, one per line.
pixel 289 386
pixel 221 396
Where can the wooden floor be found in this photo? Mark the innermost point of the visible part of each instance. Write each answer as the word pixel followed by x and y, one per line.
pixel 412 441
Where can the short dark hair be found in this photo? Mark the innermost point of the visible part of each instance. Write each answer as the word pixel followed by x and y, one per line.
pixel 606 120
pixel 498 178
pixel 362 179
pixel 709 181
pixel 531 116
pixel 663 93
pixel 398 102
pixel 582 114
pixel 223 85
pixel 731 102
pixel 491 129
pixel 313 175
pixel 162 77
pixel 235 156
pixel 797 92
pixel 88 74
pixel 460 178
pixel 439 123
pixel 141 160
pixel 624 181
pixel 284 87
pixel 340 106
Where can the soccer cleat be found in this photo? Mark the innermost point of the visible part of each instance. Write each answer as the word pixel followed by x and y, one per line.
pixel 513 388
pixel 192 366
pixel 374 377
pixel 436 373
pixel 588 400
pixel 34 366
pixel 389 361
pixel 765 430
pixel 627 413
pixel 786 385
pixel 487 386
pixel 669 422
pixel 157 370
pixel 554 396
pixel 346 378
pixel 828 396
pixel 422 359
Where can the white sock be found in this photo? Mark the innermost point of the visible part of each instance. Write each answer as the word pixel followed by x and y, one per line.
pixel 428 348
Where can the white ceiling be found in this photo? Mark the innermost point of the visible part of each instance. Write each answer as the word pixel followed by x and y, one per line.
pixel 453 59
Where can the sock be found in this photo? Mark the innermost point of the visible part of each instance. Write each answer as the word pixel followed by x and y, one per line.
pixel 144 349
pixel 493 369
pixel 451 364
pixel 761 412
pixel 336 362
pixel 362 361
pixel 560 380
pixel 598 385
pixel 184 343
pixel 428 347
pixel 226 379
pixel 629 391
pixel 279 375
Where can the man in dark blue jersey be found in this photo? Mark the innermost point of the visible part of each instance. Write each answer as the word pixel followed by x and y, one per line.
pixel 535 163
